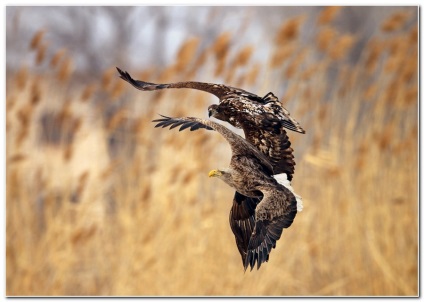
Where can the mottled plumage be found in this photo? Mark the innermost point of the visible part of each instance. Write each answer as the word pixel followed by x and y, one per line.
pixel 272 206
pixel 263 120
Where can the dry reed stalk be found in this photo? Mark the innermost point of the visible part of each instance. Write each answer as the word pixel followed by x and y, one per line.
pixel 291 92
pixel 146 74
pixel 397 46
pixel 35 92
pixel 307 93
pixel 411 95
pixel 76 125
pixel 199 63
pixel 309 71
pixel 220 68
pixel 107 77
pixel 117 119
pixel 201 59
pixel 252 75
pixel 409 69
pixel 117 90
pixel 166 76
pixel 82 181
pixel 361 155
pixel 231 72
pixel 392 64
pixel 395 22
pixel 17 158
pixel 37 39
pixel 10 103
pixel 243 57
pixel 41 53
pixel 282 54
pixel 110 169
pixel 24 115
pixel 385 140
pixel 370 92
pixel 241 80
pixel 186 54
pixel 57 57
pixel 82 234
pixel 65 70
pixel 413 35
pixel 328 14
pixel 289 30
pixel 342 46
pixel 68 152
pixel 22 77
pixel 65 114
pixel 375 49
pixel 295 64
pixel 88 92
pixel 221 46
pixel 325 38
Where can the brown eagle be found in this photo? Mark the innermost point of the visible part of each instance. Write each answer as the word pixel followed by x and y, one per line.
pixel 251 174
pixel 263 121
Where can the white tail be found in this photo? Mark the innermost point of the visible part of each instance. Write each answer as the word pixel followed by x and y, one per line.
pixel 282 180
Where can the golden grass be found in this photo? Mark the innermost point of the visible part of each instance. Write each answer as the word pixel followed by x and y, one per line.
pixel 118 207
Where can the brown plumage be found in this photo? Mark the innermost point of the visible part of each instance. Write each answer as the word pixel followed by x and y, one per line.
pixel 259 222
pixel 263 120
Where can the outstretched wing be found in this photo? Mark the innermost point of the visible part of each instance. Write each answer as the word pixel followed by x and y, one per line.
pixel 219 90
pixel 275 212
pixel 239 146
pixel 166 121
pixel 242 221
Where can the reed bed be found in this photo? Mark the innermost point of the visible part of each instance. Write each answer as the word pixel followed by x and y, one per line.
pixel 99 202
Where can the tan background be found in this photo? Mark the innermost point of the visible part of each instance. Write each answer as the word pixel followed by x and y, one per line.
pixel 99 202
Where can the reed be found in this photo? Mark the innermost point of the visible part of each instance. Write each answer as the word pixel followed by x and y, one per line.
pixel 114 206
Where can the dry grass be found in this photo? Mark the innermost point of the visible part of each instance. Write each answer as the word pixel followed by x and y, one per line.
pixel 106 204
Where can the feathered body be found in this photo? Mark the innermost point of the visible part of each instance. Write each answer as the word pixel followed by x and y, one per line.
pixel 250 173
pixel 263 120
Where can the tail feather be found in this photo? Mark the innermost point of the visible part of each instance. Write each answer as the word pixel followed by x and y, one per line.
pixel 282 180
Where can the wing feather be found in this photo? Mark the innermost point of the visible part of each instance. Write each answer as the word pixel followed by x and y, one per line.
pixel 242 221
pixel 219 90
pixel 275 212
pixel 239 146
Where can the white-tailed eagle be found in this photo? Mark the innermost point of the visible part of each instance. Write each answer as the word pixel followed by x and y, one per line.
pixel 263 120
pixel 250 173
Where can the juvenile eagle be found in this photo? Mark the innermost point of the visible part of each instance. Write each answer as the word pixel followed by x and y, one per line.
pixel 251 174
pixel 263 121
pixel 236 106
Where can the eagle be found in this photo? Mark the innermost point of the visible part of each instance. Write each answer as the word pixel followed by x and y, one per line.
pixel 263 120
pixel 250 173
pixel 236 106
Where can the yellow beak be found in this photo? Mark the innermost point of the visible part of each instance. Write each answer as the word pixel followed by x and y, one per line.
pixel 215 173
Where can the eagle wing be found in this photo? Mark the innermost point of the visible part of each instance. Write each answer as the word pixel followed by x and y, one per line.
pixel 275 145
pixel 257 224
pixel 239 146
pixel 219 90
pixel 242 221
pixel 275 212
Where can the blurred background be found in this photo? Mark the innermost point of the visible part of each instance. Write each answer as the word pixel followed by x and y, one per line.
pixel 99 202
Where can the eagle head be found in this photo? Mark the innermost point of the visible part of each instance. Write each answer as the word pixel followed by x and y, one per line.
pixel 215 173
pixel 213 110
pixel 223 174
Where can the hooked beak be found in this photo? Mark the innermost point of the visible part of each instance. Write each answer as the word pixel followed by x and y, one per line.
pixel 215 173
